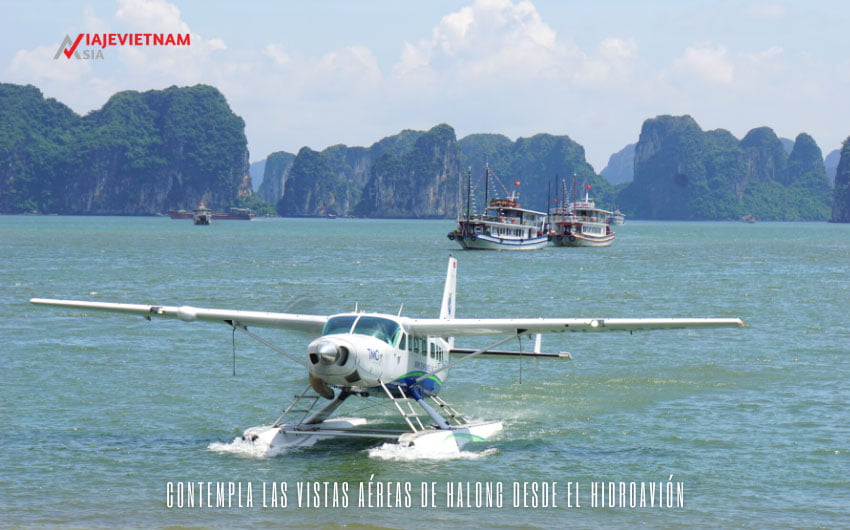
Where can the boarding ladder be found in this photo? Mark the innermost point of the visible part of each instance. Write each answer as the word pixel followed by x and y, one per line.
pixel 449 412
pixel 406 414
pixel 309 400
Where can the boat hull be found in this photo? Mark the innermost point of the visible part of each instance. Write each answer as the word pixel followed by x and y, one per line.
pixel 582 240
pixel 487 242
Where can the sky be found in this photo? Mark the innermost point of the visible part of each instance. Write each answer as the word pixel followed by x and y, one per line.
pixel 325 72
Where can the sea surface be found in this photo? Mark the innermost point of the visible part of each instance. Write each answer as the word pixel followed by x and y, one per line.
pixel 111 420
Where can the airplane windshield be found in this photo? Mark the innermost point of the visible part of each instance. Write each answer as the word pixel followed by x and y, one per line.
pixel 381 328
pixel 338 325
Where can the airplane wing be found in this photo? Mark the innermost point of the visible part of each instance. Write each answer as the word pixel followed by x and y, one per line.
pixel 464 327
pixel 307 323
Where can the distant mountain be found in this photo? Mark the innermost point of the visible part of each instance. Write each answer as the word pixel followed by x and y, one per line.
pixel 841 202
pixel 275 173
pixel 831 164
pixel 421 181
pixel 141 153
pixel 683 172
pixel 411 174
pixel 144 153
pixel 256 170
pixel 621 166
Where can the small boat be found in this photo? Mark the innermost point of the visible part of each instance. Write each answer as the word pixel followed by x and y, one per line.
pixel 581 224
pixel 202 215
pixel 180 214
pixel 504 225
pixel 616 217
pixel 235 214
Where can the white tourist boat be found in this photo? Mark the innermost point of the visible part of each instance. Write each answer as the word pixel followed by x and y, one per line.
pixel 617 217
pixel 504 225
pixel 202 215
pixel 581 224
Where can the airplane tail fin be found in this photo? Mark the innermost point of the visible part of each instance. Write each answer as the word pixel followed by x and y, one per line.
pixel 447 310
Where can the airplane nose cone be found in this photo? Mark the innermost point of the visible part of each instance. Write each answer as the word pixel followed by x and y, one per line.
pixel 328 352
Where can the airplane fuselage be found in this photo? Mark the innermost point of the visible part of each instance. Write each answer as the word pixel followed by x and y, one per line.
pixel 360 351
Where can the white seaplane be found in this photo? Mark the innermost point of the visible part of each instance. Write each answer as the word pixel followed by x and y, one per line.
pixel 406 360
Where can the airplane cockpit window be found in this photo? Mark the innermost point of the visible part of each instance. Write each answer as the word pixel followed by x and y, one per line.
pixel 339 325
pixel 378 327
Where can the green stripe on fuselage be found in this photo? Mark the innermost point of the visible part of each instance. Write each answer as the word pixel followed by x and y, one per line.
pixel 437 381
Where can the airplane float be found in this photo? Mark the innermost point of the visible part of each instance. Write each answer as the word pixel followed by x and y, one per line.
pixel 403 359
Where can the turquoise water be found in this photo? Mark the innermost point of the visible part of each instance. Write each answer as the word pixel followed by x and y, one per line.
pixel 748 426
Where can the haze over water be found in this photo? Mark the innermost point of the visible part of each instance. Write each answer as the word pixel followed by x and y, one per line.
pixel 101 413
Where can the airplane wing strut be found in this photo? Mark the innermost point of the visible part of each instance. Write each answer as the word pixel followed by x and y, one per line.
pixel 244 329
pixel 470 356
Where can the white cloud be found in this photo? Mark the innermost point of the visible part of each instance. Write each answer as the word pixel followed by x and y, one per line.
pixel 350 69
pixel 705 62
pixel 490 38
pixel 151 15
pixel 767 55
pixel 38 64
pixel 616 61
pixel 277 54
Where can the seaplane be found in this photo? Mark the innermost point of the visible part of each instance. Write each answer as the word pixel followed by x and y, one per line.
pixel 383 356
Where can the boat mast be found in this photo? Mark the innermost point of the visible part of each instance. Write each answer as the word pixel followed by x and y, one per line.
pixel 486 186
pixel 564 195
pixel 468 198
pixel 575 190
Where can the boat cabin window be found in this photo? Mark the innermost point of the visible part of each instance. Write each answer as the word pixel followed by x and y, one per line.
pixel 339 325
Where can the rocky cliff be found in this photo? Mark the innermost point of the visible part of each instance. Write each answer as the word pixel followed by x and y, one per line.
pixel 841 200
pixel 369 182
pixel 421 182
pixel 275 173
pixel 830 162
pixel 683 172
pixel 140 154
pixel 33 134
pixel 621 166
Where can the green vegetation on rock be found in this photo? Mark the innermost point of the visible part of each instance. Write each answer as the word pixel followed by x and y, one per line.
pixel 140 154
pixel 685 173
pixel 841 203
